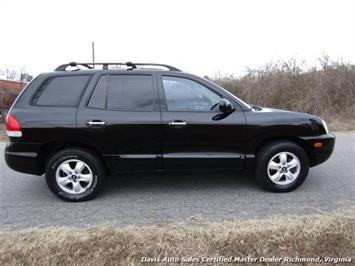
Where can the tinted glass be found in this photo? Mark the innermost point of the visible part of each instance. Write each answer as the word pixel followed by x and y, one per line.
pixel 98 97
pixel 130 92
pixel 61 91
pixel 183 94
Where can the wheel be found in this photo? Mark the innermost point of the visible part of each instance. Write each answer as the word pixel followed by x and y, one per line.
pixel 281 166
pixel 75 174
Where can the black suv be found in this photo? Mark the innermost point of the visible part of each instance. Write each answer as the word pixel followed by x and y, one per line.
pixel 84 122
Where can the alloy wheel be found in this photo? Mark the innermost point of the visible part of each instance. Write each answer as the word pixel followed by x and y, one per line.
pixel 284 168
pixel 74 176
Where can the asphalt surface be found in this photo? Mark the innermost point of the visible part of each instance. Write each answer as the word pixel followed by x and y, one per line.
pixel 25 200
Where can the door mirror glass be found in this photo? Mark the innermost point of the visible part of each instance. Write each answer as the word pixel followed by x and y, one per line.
pixel 225 106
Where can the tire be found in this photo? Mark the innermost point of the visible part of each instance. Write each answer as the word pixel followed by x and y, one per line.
pixel 281 166
pixel 75 174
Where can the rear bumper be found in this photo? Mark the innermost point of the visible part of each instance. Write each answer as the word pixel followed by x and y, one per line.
pixel 320 155
pixel 23 158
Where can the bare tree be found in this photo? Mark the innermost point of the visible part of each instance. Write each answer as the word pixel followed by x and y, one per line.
pixel 13 74
pixel 24 76
pixel 324 61
pixel 9 73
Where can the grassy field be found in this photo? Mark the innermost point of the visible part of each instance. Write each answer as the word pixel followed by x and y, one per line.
pixel 324 235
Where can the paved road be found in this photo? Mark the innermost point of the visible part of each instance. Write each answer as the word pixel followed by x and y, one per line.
pixel 25 200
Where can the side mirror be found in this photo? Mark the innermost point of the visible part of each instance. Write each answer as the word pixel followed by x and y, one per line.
pixel 225 106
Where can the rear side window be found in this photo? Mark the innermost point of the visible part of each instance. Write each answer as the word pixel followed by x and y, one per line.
pixel 61 91
pixel 124 92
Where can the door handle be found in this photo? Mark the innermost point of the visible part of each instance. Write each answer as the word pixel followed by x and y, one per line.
pixel 96 123
pixel 177 123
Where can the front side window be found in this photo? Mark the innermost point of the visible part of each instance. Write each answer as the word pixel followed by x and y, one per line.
pixel 183 94
pixel 61 91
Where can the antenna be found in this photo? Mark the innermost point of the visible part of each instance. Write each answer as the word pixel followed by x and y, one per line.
pixel 93 52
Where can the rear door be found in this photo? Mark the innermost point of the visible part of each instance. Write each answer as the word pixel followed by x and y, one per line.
pixel 196 135
pixel 121 117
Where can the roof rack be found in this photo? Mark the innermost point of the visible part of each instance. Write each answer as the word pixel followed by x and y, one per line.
pixel 105 66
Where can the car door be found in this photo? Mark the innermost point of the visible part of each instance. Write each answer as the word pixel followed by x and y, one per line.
pixel 121 118
pixel 194 136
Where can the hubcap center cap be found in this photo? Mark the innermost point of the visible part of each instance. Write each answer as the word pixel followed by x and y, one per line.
pixel 284 169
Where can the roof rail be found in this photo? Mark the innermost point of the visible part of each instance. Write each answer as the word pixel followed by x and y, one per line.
pixel 130 65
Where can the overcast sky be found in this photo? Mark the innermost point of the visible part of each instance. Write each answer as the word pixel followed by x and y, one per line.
pixel 201 37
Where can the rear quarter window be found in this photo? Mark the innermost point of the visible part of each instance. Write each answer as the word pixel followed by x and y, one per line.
pixel 61 91
pixel 98 97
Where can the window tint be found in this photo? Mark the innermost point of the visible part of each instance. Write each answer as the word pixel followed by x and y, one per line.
pixel 61 91
pixel 130 92
pixel 183 94
pixel 98 97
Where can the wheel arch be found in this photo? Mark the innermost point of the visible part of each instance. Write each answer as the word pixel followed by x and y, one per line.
pixel 300 142
pixel 50 148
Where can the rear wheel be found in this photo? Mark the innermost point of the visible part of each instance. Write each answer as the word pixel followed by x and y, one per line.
pixel 281 166
pixel 75 174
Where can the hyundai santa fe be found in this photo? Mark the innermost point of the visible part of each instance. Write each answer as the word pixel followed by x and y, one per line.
pixel 84 122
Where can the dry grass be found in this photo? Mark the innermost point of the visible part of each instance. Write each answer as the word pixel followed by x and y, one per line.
pixel 326 234
pixel 339 124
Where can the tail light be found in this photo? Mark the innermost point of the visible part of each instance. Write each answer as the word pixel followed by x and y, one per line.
pixel 13 128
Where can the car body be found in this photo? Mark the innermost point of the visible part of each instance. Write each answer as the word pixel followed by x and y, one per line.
pixel 143 119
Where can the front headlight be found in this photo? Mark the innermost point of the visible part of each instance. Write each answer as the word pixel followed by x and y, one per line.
pixel 325 126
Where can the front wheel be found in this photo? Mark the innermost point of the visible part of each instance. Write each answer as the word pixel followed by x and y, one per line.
pixel 75 174
pixel 281 166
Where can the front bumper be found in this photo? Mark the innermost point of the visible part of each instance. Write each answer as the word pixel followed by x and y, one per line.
pixel 320 155
pixel 23 158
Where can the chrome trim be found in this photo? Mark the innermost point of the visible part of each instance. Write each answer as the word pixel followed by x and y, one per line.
pixel 133 156
pixel 24 154
pixel 138 156
pixel 177 123
pixel 96 123
pixel 202 156
pixel 179 156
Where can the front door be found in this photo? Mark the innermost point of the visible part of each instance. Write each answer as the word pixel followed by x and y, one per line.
pixel 195 133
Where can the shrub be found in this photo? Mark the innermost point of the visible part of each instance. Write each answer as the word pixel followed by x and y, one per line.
pixel 6 100
pixel 328 92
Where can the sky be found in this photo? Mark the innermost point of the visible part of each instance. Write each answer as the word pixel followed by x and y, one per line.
pixel 202 37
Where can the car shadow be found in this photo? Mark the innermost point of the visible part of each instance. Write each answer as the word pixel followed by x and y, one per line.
pixel 183 182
